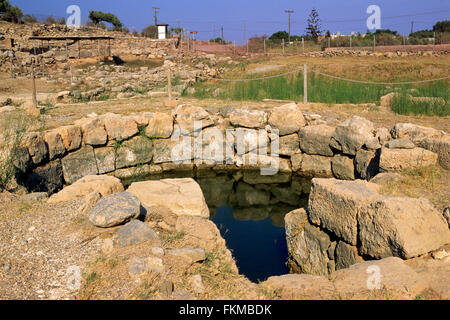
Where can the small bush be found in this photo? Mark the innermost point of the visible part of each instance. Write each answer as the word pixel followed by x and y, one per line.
pixel 12 131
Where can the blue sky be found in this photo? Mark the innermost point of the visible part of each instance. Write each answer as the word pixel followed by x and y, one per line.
pixel 261 16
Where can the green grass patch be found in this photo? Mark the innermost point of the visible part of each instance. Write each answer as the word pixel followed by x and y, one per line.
pixel 331 91
pixel 103 97
pixel 436 103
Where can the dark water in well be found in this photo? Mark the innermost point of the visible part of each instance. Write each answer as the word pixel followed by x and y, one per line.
pixel 258 246
pixel 249 211
pixel 250 217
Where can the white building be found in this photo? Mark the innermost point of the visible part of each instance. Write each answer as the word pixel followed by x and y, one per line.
pixel 163 31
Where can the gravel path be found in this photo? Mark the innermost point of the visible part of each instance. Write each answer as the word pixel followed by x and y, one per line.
pixel 38 243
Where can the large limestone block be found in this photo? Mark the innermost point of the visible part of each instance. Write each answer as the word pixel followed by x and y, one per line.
pixel 289 145
pixel 159 125
pixel 403 227
pixel 199 231
pixel 137 151
pixel 105 185
pixel 335 205
pixel 191 118
pixel 367 163
pixel 106 159
pixel 182 197
pixel 441 147
pixel 248 118
pixel 346 255
pixel 36 147
pixel 414 132
pixel 287 119
pixel 71 136
pixel 216 146
pixel 352 134
pixel 316 139
pixel 55 144
pixel 301 287
pixel 79 164
pixel 342 167
pixel 307 245
pixel 316 166
pixel 173 150
pixel 93 130
pixel 389 278
pixel 119 127
pixel 399 159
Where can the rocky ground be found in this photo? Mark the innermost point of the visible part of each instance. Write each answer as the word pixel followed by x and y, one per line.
pixel 41 240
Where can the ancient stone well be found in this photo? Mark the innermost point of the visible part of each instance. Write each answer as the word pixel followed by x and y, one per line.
pixel 342 222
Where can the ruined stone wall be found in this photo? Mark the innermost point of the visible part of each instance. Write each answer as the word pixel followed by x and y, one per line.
pixel 17 54
pixel 308 146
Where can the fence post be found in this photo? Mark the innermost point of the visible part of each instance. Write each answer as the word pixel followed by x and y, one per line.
pixel 329 42
pixel 282 43
pixel 350 42
pixel 33 87
pixel 374 42
pixel 305 84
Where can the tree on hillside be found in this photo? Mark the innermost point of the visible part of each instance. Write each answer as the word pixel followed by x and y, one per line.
pixel 279 36
pixel 176 31
pixel 313 28
pixel 150 32
pixel 4 4
pixel 385 31
pixel 422 34
pixel 98 16
pixel 52 20
pixel 442 26
pixel 29 18
pixel 10 13
pixel 216 40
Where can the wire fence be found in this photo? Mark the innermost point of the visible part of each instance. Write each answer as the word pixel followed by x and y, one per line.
pixel 440 41
pixel 322 74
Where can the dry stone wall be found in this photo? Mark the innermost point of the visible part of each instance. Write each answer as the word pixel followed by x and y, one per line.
pixel 17 50
pixel 309 147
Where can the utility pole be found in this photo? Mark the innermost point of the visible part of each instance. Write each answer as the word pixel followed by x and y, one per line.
pixel 214 37
pixel 289 13
pixel 222 36
pixel 412 26
pixel 155 14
